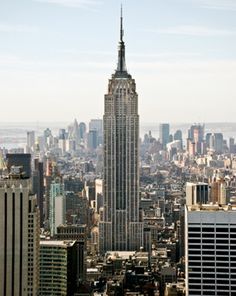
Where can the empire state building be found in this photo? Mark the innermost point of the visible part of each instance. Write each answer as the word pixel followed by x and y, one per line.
pixel 120 227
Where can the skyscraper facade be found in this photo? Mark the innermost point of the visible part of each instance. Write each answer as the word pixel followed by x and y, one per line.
pixel 196 139
pixel 120 227
pixel 58 268
pixel 57 208
pixel 19 236
pixel 164 133
pixel 210 256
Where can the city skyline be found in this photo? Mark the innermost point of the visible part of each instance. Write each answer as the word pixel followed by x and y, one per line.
pixel 182 54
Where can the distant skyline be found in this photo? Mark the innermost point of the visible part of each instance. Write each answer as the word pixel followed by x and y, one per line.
pixel 56 57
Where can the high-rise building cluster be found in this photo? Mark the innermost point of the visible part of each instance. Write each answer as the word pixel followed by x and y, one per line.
pixel 94 209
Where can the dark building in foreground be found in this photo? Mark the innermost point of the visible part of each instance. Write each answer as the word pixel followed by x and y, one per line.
pixel 58 268
pixel 19 159
pixel 76 232
pixel 38 186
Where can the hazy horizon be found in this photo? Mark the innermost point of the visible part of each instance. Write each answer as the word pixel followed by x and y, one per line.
pixel 13 135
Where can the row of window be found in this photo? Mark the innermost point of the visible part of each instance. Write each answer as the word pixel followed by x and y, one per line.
pixel 212 247
pixel 211 229
pixel 208 287
pixel 225 274
pixel 208 293
pixel 210 258
pixel 209 263
pixel 212 235
pixel 210 252
pixel 216 241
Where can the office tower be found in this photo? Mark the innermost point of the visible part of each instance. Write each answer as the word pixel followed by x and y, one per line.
pixel 57 206
pixel 219 193
pixel 73 132
pixel 92 139
pixel 82 132
pixel 47 140
pixel 196 136
pixel 38 186
pixel 76 232
pixel 48 178
pixel 99 194
pixel 210 256
pixel 30 141
pixel 120 227
pixel 96 124
pixel 196 132
pixel 21 159
pixel 19 236
pixel 178 135
pixel 164 131
pixel 62 134
pixel 232 145
pixel 208 137
pixel 215 142
pixel 71 145
pixel 197 193
pixel 58 268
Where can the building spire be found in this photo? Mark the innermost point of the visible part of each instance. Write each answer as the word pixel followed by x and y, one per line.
pixel 121 67
pixel 121 24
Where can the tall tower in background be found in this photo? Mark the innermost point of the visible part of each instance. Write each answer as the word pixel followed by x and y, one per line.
pixel 164 131
pixel 120 227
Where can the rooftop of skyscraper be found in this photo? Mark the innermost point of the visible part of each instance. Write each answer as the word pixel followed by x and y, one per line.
pixel 211 207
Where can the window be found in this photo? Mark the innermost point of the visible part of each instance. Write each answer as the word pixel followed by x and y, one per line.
pixel 208 252
pixel 225 282
pixel 208 235
pixel 222 270
pixel 194 229
pixel 194 241
pixel 198 258
pixel 208 241
pixel 195 287
pixel 195 252
pixel 208 270
pixel 208 229
pixel 207 281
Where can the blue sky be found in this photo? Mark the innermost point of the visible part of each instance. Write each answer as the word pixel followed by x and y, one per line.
pixel 56 57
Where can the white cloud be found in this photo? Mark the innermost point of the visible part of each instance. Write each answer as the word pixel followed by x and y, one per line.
pixel 73 3
pixel 194 31
pixel 216 4
pixel 7 28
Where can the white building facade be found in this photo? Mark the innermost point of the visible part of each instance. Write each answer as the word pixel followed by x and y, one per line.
pixel 210 253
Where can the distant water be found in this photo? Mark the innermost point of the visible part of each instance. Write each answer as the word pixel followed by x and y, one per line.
pixel 13 135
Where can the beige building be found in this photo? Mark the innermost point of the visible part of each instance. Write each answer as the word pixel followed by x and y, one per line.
pixel 120 227
pixel 19 237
